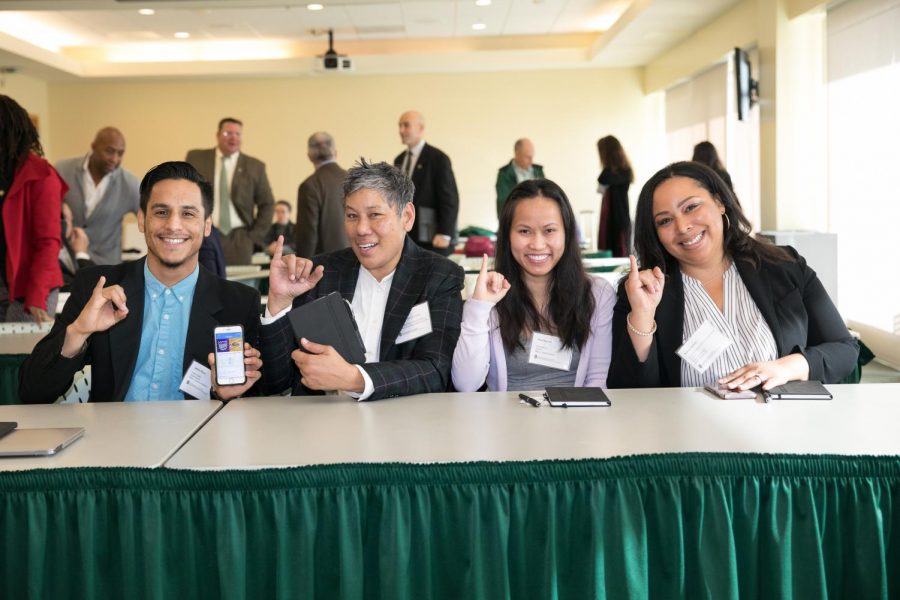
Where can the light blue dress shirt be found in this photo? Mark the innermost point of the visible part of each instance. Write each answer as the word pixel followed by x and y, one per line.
pixel 167 312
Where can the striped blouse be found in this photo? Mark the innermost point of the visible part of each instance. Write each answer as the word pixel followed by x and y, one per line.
pixel 742 323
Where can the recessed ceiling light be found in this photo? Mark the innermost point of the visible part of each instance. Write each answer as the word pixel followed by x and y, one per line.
pixel 482 2
pixel 315 6
pixel 182 35
pixel 147 12
pixel 479 26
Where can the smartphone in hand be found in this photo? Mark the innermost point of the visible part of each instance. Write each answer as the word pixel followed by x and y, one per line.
pixel 230 355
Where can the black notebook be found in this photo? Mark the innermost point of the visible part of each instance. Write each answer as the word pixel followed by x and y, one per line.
pixel 328 320
pixel 799 390
pixel 572 397
pixel 7 426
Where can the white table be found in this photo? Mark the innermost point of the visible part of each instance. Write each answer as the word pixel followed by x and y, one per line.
pixel 267 432
pixel 117 434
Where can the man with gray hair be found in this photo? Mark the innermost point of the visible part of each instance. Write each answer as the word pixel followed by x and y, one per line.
pixel 406 301
pixel 320 201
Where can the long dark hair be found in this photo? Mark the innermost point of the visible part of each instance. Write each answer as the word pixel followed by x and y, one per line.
pixel 571 303
pixel 18 136
pixel 612 155
pixel 739 244
pixel 705 153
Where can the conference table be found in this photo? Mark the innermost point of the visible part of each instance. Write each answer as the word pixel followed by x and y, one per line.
pixel 669 493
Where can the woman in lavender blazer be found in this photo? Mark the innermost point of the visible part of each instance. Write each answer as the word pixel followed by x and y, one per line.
pixel 538 319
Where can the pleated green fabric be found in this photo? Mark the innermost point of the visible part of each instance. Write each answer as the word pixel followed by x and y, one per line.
pixel 9 377
pixel 715 526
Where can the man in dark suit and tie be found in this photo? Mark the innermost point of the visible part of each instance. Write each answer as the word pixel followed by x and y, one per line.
pixel 141 325
pixel 244 204
pixel 406 301
pixel 436 197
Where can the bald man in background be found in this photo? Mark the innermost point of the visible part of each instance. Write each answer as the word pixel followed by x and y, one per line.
pixel 436 198
pixel 520 168
pixel 101 193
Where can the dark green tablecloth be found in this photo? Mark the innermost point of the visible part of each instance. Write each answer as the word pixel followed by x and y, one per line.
pixel 9 377
pixel 674 526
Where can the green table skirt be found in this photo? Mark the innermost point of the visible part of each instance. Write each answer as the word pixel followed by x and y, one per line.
pixel 712 526
pixel 9 377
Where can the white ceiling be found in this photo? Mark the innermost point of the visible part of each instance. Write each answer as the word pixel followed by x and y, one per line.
pixel 109 38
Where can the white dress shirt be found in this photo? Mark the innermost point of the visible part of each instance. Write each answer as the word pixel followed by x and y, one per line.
pixel 93 193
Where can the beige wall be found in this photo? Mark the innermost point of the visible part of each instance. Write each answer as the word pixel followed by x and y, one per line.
pixel 32 95
pixel 475 118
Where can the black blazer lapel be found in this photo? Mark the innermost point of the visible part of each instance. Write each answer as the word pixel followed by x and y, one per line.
pixel 125 337
pixel 405 290
pixel 762 295
pixel 671 312
pixel 205 305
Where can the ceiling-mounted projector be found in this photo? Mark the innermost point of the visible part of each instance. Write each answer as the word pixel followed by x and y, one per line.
pixel 331 60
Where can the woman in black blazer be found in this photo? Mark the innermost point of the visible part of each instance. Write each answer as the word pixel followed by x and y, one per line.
pixel 695 249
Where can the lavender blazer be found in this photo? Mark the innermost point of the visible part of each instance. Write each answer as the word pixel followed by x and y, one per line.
pixel 480 356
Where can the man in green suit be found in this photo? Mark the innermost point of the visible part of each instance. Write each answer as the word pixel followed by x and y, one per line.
pixel 520 168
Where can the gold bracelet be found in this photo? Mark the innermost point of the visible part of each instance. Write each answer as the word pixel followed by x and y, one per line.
pixel 637 332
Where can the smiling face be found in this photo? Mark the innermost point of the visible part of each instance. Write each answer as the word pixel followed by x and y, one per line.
pixel 375 230
pixel 174 226
pixel 537 238
pixel 688 222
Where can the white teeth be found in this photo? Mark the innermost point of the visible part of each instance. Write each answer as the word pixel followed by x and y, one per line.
pixel 367 246
pixel 693 240
pixel 174 240
pixel 538 257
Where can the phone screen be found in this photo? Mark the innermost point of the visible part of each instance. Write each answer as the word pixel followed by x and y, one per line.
pixel 230 355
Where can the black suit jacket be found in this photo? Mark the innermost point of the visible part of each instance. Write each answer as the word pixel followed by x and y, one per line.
pixel 436 199
pixel 414 367
pixel 112 354
pixel 802 317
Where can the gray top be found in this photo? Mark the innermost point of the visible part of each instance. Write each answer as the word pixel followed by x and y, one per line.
pixel 522 375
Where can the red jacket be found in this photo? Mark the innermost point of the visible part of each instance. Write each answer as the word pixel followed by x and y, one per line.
pixel 31 223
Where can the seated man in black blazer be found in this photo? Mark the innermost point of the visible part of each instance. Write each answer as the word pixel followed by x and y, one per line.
pixel 141 325
pixel 386 278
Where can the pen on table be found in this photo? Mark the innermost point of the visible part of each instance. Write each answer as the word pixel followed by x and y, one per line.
pixel 529 400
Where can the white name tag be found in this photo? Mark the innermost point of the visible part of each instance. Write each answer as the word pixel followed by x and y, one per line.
pixel 547 350
pixel 197 381
pixel 417 324
pixel 704 347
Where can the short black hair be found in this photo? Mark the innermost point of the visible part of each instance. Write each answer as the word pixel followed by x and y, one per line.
pixel 176 169
pixel 229 120
pixel 285 203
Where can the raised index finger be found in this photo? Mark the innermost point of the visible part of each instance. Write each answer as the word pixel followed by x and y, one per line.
pixel 484 266
pixel 279 246
pixel 633 274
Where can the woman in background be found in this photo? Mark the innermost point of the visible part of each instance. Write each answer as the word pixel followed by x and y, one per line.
pixel 615 177
pixel 539 297
pixel 705 153
pixel 31 193
pixel 702 267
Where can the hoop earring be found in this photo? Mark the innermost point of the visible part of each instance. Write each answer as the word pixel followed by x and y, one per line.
pixel 727 221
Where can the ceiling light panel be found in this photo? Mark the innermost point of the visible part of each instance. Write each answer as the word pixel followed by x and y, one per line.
pixel 429 19
pixel 492 17
pixel 374 18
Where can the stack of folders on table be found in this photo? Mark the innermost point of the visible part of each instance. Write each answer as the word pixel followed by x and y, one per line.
pixel 799 390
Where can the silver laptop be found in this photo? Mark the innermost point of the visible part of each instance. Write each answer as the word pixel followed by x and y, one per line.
pixel 38 442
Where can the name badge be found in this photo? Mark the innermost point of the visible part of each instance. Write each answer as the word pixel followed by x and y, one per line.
pixel 548 351
pixel 417 324
pixel 704 347
pixel 197 381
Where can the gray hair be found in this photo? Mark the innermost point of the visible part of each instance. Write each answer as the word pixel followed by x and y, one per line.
pixel 396 188
pixel 320 147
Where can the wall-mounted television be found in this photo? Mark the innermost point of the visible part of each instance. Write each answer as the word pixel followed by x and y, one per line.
pixel 747 87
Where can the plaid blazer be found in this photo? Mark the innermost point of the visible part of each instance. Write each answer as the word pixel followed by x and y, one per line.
pixel 415 367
